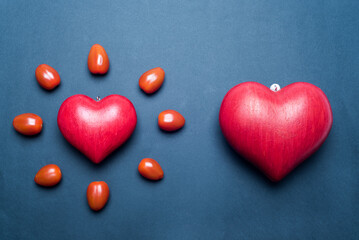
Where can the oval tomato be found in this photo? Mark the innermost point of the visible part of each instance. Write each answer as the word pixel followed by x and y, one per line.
pixel 47 77
pixel 170 120
pixel 27 124
pixel 97 195
pixel 150 169
pixel 152 80
pixel 98 62
pixel 48 176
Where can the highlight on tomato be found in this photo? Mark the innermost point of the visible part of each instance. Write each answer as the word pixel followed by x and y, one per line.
pixel 150 169
pixel 48 176
pixel 27 124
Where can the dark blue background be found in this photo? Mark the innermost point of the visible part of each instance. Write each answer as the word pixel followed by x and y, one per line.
pixel 205 47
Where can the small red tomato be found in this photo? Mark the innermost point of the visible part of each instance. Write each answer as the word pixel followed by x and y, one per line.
pixel 98 62
pixel 97 195
pixel 170 120
pixel 28 124
pixel 47 77
pixel 152 80
pixel 150 169
pixel 48 176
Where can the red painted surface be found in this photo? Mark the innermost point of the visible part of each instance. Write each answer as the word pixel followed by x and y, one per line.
pixel 275 131
pixel 97 128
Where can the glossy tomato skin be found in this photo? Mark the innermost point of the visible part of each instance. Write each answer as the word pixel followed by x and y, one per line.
pixel 170 120
pixel 152 80
pixel 98 62
pixel 97 195
pixel 48 176
pixel 47 76
pixel 28 124
pixel 150 169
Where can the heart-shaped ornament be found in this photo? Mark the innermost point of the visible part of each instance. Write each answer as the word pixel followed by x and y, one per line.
pixel 96 128
pixel 276 129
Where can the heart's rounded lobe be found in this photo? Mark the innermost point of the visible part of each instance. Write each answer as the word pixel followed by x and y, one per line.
pixel 275 131
pixel 96 128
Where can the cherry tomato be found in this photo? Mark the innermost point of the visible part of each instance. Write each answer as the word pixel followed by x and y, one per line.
pixel 170 120
pixel 98 62
pixel 47 77
pixel 150 169
pixel 152 80
pixel 48 176
pixel 97 195
pixel 28 124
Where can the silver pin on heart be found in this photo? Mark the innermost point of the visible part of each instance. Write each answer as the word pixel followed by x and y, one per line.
pixel 275 87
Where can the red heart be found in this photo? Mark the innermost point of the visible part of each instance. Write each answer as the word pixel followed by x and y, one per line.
pixel 275 131
pixel 96 128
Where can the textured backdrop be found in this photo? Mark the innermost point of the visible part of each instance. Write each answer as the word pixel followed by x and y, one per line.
pixel 205 47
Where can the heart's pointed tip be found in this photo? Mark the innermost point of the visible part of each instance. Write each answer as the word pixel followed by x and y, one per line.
pixel 96 161
pixel 275 178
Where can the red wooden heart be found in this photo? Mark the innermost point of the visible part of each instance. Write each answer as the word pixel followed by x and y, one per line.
pixel 275 131
pixel 96 128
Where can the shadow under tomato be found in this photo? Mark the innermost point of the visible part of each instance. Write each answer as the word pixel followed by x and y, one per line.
pixel 149 180
pixel 97 76
pixel 29 136
pixel 171 132
pixel 104 209
pixel 257 174
pixel 151 95
pixel 48 188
